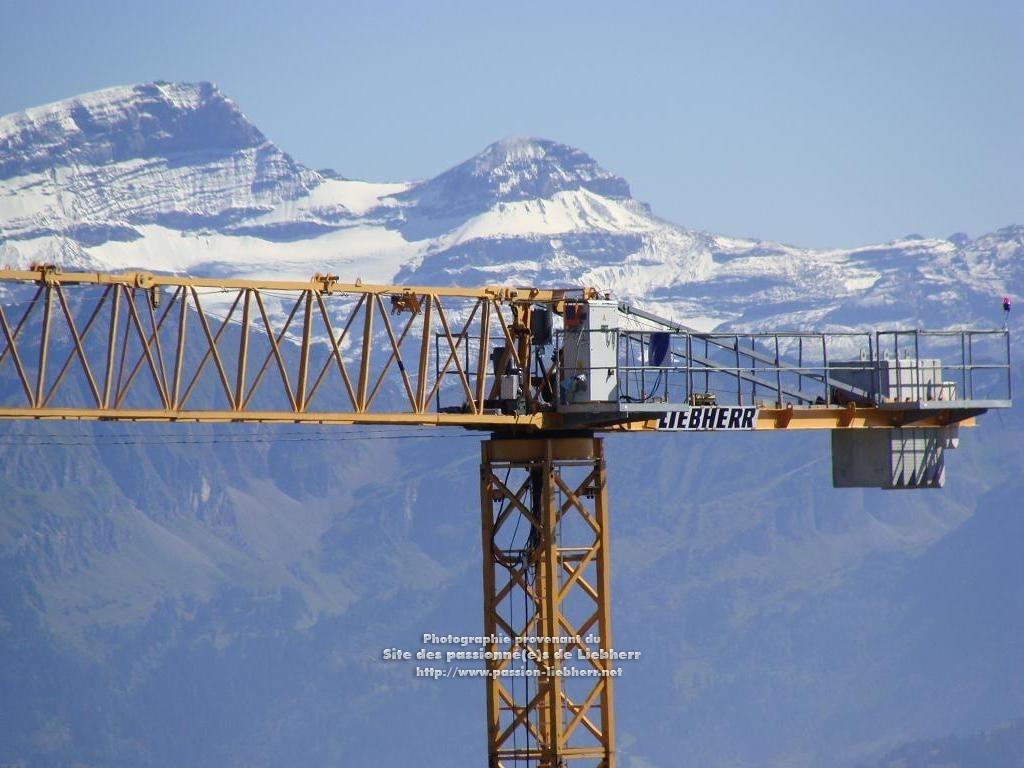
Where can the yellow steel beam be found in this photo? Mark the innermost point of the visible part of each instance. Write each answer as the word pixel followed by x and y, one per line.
pixel 824 417
pixel 816 417
pixel 768 419
pixel 327 284
pixel 526 422
pixel 548 592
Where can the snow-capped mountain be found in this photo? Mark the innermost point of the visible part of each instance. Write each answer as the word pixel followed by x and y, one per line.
pixel 181 156
pixel 239 591
pixel 173 177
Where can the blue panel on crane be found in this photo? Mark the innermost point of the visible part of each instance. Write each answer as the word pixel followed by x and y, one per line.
pixel 659 348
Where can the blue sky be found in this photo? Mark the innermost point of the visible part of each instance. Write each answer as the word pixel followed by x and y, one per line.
pixel 816 123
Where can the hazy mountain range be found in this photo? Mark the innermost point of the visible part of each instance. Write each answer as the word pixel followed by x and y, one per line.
pixel 224 603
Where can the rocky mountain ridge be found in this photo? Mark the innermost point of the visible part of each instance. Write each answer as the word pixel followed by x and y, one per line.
pixel 236 584
pixel 173 177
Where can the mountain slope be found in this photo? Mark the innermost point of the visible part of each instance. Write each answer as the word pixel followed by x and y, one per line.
pixel 241 592
pixel 1001 747
pixel 173 177
pixel 180 155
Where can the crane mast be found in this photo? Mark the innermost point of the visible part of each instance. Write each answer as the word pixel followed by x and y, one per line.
pixel 546 372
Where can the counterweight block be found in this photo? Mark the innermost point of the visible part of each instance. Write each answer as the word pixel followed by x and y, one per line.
pixel 898 458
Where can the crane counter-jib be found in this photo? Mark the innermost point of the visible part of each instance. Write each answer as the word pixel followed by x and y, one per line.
pixel 779 419
pixel 148 347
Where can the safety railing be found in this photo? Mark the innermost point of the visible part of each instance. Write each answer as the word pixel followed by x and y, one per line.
pixel 655 369
pixel 974 364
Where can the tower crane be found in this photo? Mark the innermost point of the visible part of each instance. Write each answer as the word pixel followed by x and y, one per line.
pixel 546 372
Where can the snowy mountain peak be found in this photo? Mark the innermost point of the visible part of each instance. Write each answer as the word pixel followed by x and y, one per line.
pixel 182 154
pixel 174 177
pixel 515 169
pixel 124 123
